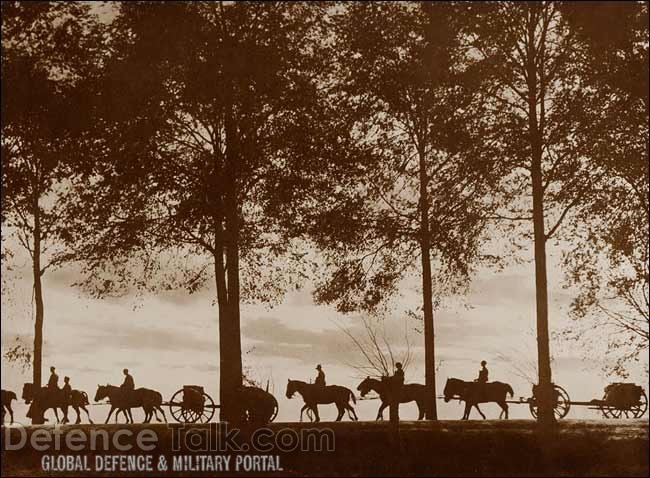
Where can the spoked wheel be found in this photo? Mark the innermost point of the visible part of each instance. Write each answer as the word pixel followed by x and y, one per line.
pixel 176 407
pixel 640 408
pixel 275 411
pixel 207 413
pixel 185 414
pixel 561 407
pixel 611 412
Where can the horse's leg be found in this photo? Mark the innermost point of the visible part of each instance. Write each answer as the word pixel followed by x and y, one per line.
pixel 302 410
pixel 56 414
pixel 504 409
pixel 83 407
pixel 353 412
pixel 161 411
pixel 65 414
pixel 468 409
pixel 314 407
pixel 110 413
pixel 130 414
pixel 76 409
pixel 11 415
pixel 341 410
pixel 420 410
pixel 380 412
pixel 479 410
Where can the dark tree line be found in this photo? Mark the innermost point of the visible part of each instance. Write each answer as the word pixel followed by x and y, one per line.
pixel 193 143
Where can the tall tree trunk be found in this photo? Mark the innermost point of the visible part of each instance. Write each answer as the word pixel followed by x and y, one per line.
pixel 225 398
pixel 229 315
pixel 431 412
pixel 544 390
pixel 38 299
pixel 232 375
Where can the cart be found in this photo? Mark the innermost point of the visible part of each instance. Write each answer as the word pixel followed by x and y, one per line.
pixel 191 404
pixel 621 400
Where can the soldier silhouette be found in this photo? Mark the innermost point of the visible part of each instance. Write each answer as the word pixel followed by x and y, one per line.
pixel 53 382
pixel 67 389
pixel 320 378
pixel 129 384
pixel 483 373
pixel 482 379
pixel 398 376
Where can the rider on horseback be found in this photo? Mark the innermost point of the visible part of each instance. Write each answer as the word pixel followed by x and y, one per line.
pixel 53 382
pixel 398 376
pixel 67 390
pixel 129 384
pixel 483 373
pixel 482 379
pixel 320 378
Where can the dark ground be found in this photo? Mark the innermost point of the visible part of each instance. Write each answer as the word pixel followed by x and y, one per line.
pixel 449 448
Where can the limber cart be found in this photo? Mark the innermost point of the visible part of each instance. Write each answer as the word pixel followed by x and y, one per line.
pixel 191 404
pixel 621 400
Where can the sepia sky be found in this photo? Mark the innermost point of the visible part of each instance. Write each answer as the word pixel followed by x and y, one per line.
pixel 171 339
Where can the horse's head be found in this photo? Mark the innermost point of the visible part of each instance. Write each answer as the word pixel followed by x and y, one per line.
pixel 102 392
pixel 28 392
pixel 452 388
pixel 365 386
pixel 291 388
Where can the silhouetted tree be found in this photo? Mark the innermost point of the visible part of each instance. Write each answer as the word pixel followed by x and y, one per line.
pixel 212 114
pixel 609 262
pixel 48 49
pixel 540 99
pixel 416 200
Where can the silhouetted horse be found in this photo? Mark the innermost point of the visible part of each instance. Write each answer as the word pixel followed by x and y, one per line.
pixel 473 393
pixel 41 400
pixel 313 395
pixel 7 397
pixel 408 393
pixel 149 400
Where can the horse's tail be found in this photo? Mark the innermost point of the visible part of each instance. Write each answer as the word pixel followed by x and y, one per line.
pixel 354 399
pixel 84 395
pixel 510 390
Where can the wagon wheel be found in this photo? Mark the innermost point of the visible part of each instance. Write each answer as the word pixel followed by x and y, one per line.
pixel 208 410
pixel 275 410
pixel 640 408
pixel 561 408
pixel 606 410
pixel 176 407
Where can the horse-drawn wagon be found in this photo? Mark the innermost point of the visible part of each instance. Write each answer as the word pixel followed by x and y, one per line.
pixel 621 400
pixel 191 404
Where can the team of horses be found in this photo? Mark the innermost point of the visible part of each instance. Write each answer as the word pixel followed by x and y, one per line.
pixel 472 393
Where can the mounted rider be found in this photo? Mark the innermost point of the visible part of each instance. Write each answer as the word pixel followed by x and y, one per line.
pixel 53 382
pixel 483 373
pixel 398 375
pixel 67 390
pixel 482 379
pixel 128 385
pixel 320 378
